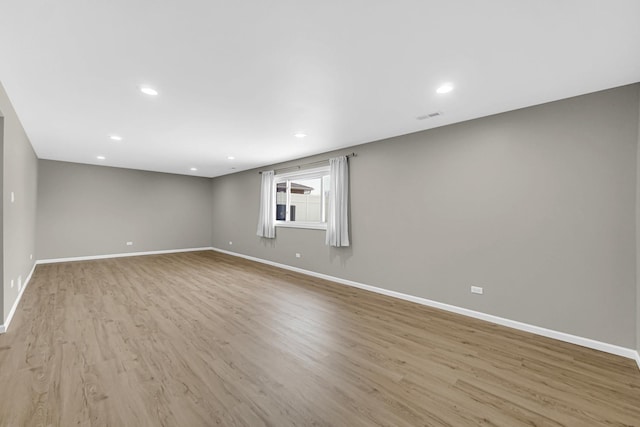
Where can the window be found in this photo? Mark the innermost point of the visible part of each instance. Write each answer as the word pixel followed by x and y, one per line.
pixel 301 198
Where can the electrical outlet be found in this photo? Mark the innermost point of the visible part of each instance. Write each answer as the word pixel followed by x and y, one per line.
pixel 298 255
pixel 476 290
pixel 129 243
pixel 30 256
pixel 13 197
pixel 12 283
pixel 230 242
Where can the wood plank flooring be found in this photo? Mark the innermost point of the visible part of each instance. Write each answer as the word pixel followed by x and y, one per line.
pixel 205 339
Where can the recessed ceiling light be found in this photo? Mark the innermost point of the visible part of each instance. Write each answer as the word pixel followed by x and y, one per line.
pixel 116 137
pixel 445 88
pixel 193 169
pixel 230 158
pixel 100 157
pixel 148 90
pixel 300 135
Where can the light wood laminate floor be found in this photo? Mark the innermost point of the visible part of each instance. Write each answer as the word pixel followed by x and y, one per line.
pixel 203 339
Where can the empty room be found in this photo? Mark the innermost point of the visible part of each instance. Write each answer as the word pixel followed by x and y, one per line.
pixel 320 213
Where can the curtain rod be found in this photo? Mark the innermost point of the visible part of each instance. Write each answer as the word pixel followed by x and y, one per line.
pixel 308 164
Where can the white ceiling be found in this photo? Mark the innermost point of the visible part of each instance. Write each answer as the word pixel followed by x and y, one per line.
pixel 240 78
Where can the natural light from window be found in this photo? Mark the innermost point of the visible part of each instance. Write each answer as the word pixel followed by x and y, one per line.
pixel 301 198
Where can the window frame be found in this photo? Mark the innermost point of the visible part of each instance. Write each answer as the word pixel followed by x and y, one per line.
pixel 288 177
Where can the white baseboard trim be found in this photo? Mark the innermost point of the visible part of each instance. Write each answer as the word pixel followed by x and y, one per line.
pixel 120 255
pixel 5 326
pixel 561 336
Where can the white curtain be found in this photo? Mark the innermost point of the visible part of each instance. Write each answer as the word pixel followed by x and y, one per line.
pixel 338 214
pixel 267 214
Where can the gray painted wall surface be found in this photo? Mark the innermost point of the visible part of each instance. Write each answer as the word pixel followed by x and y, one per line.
pixel 20 176
pixel 94 210
pixel 2 317
pixel 535 205
pixel 638 243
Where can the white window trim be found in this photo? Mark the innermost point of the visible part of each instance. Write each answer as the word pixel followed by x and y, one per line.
pixel 302 224
pixel 304 174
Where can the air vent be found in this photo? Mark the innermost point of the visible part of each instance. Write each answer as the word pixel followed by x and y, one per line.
pixel 430 115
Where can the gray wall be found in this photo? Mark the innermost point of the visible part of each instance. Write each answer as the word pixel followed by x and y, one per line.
pixel 638 246
pixel 535 205
pixel 19 175
pixel 93 210
pixel 2 317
